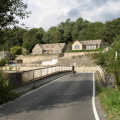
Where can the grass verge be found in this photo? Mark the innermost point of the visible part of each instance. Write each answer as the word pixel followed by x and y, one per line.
pixel 110 100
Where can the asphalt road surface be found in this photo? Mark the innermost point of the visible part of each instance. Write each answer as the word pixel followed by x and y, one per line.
pixel 67 98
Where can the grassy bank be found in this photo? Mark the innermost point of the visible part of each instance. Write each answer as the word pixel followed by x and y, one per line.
pixel 110 100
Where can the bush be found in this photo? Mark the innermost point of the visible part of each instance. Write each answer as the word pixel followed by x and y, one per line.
pixel 110 62
pixel 5 90
pixel 25 51
pixel 3 62
pixel 110 100
pixel 16 50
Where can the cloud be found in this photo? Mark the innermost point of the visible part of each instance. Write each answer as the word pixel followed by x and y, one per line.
pixel 47 13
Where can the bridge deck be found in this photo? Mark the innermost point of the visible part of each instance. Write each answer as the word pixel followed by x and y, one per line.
pixel 67 98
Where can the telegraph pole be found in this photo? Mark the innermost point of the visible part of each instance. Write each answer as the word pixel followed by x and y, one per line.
pixel 116 70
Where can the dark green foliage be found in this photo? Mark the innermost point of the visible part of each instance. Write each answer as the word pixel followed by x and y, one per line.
pixel 33 37
pixel 3 62
pixel 16 50
pixel 9 9
pixel 68 32
pixel 5 91
pixel 112 29
pixel 11 37
pixel 109 61
pixel 55 35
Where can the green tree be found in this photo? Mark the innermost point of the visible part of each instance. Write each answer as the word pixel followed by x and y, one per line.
pixel 112 29
pixel 91 31
pixel 31 38
pixel 68 31
pixel 16 50
pixel 55 36
pixel 110 62
pixel 79 25
pixel 9 10
pixel 11 37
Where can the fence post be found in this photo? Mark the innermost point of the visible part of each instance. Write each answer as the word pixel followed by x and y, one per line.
pixel 34 86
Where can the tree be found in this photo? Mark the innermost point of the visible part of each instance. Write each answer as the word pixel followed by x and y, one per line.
pixel 68 31
pixel 91 31
pixel 79 25
pixel 9 10
pixel 31 38
pixel 11 37
pixel 112 29
pixel 40 34
pixel 110 62
pixel 55 36
pixel 16 50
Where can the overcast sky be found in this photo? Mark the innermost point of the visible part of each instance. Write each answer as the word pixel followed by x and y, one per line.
pixel 47 13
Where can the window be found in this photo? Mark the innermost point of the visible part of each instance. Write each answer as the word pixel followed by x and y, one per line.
pixel 77 47
pixel 57 51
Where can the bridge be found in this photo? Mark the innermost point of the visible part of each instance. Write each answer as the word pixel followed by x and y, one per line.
pixel 70 97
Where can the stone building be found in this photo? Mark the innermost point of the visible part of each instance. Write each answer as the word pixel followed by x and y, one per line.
pixel 87 45
pixel 48 48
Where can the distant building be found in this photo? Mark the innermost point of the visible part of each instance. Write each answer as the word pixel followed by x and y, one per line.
pixel 48 48
pixel 4 54
pixel 87 45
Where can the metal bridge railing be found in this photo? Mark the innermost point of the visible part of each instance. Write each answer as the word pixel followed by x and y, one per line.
pixel 41 72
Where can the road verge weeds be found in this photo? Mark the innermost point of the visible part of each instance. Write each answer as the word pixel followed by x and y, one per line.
pixel 110 101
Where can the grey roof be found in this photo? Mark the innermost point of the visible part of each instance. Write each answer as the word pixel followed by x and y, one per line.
pixel 89 42
pixel 58 46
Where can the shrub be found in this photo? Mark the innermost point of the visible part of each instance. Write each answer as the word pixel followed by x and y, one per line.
pixel 16 50
pixel 3 62
pixel 5 91
pixel 25 51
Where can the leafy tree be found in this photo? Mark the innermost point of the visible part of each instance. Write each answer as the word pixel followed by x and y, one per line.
pixel 92 31
pixel 110 62
pixel 32 37
pixel 9 10
pixel 79 25
pixel 18 33
pixel 68 31
pixel 24 51
pixel 3 62
pixel 11 37
pixel 40 34
pixel 112 29
pixel 16 50
pixel 55 36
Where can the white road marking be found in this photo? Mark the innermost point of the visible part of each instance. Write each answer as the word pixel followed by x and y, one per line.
pixel 93 99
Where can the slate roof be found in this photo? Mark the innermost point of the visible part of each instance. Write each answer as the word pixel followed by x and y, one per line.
pixel 58 46
pixel 91 42
pixel 53 46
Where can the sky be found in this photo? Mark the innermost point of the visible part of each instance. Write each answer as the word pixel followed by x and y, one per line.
pixel 48 13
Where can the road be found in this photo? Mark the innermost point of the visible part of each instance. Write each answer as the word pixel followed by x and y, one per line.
pixel 67 98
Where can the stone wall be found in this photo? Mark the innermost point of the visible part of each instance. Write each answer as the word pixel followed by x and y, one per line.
pixel 78 54
pixel 17 79
pixel 36 59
